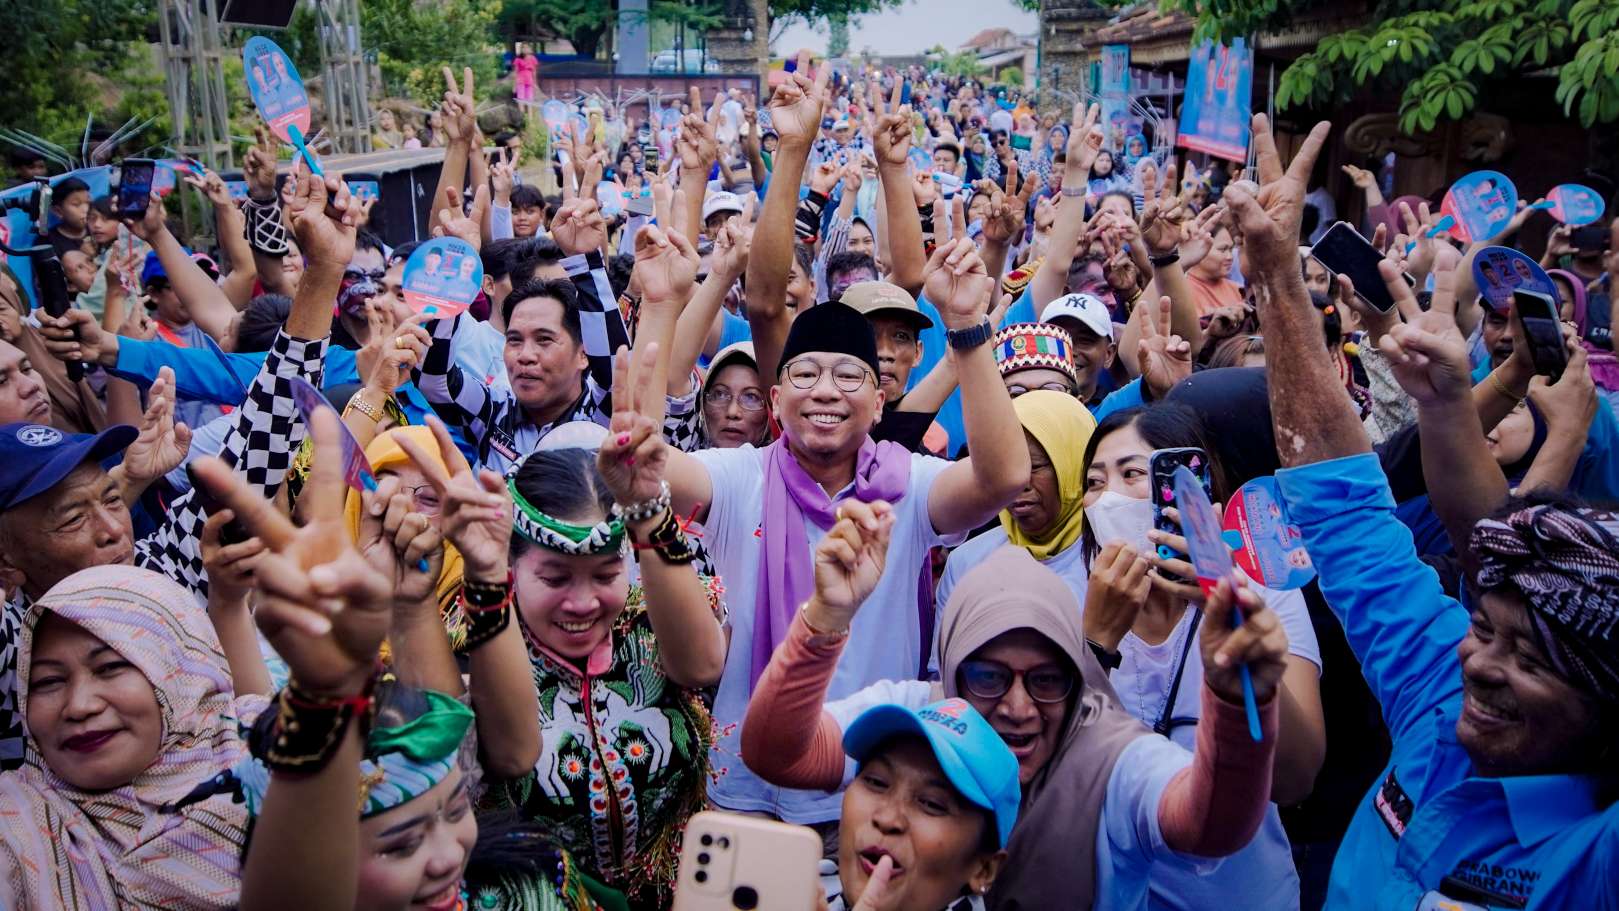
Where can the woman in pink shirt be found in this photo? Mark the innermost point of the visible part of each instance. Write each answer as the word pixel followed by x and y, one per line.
pixel 526 68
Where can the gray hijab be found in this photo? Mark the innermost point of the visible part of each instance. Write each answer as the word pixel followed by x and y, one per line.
pixel 1051 857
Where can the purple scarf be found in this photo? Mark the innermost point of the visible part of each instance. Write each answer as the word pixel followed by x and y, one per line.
pixel 786 568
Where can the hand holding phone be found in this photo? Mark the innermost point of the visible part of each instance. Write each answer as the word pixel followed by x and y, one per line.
pixel 135 186
pixel 234 531
pixel 728 861
pixel 1344 252
pixel 1542 329
pixel 1161 467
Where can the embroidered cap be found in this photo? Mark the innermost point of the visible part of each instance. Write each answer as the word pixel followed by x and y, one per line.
pixel 1022 346
pixel 36 457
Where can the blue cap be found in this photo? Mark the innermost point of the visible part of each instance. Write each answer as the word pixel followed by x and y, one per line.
pixel 153 268
pixel 34 458
pixel 974 757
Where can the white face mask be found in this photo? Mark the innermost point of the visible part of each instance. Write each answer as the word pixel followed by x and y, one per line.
pixel 1116 517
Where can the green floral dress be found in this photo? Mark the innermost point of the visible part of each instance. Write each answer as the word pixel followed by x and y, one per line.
pixel 623 762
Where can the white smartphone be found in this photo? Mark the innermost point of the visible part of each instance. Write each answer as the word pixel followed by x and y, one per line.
pixel 744 863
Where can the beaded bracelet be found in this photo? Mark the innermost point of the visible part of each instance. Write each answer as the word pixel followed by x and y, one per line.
pixel 307 729
pixel 487 607
pixel 646 509
pixel 667 540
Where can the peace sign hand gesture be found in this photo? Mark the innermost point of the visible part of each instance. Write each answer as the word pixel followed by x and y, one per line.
pixel 1164 213
pixel 956 281
pixel 696 144
pixel 1085 142
pixel 1427 352
pixel 665 266
pixel 475 508
pixel 323 606
pixel 394 533
pixel 892 134
pixel 258 166
pixel 1269 220
pixel 460 106
pixel 1163 357
pixel 848 563
pixel 633 457
pixel 795 106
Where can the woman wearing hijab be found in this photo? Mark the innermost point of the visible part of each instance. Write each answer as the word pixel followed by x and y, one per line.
pixel 1103 798
pixel 128 706
pixel 735 403
pixel 1047 517
pixel 1604 363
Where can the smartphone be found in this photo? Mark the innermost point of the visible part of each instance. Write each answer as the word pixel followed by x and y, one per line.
pixel 1588 238
pixel 905 92
pixel 731 862
pixel 234 531
pixel 949 184
pixel 1021 142
pixel 135 186
pixel 1344 252
pixel 1161 467
pixel 1537 313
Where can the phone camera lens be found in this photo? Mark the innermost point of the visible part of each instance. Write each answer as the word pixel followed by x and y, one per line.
pixel 725 843
pixel 745 898
pixel 707 839
pixel 703 858
pixel 701 876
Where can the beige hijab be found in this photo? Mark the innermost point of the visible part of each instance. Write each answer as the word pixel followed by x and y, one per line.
pixel 1051 855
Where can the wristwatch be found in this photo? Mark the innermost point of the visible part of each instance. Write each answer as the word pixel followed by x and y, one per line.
pixel 970 338
pixel 1074 192
pixel 1109 660
pixel 1161 260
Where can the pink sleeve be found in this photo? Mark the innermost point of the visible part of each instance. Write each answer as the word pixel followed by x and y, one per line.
pixel 786 738
pixel 1214 806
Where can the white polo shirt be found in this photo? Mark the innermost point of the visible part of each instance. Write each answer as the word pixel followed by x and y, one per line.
pixel 884 640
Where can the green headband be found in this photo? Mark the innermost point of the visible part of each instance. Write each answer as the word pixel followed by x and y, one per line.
pixel 605 537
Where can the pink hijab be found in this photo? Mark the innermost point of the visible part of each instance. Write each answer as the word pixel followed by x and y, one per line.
pixel 124 848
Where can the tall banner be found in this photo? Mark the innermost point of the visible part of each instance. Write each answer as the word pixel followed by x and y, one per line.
pixel 1218 101
pixel 1115 91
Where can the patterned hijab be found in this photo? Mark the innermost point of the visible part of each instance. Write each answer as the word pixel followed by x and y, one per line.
pixel 123 848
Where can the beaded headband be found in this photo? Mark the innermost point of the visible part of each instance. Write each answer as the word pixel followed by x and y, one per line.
pixel 605 537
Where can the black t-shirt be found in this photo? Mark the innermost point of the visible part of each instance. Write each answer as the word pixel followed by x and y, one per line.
pixel 904 427
pixel 62 243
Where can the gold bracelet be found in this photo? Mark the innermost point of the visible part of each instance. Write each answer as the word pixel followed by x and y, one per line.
pixel 1500 387
pixel 358 403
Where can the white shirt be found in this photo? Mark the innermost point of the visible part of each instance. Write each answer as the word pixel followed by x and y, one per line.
pixel 1261 875
pixel 480 351
pixel 1068 564
pixel 884 641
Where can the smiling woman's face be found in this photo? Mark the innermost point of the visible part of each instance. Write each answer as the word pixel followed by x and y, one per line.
pixel 93 714
pixel 901 805
pixel 412 856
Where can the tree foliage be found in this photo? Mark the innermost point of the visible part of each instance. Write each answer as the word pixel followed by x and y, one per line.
pixel 66 59
pixel 1439 55
pixel 955 63
pixel 585 24
pixel 413 41
pixel 785 12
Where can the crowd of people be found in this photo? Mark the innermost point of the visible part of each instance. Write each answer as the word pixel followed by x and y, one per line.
pixel 819 488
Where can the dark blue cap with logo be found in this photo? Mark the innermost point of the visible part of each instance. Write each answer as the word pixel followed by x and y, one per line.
pixel 35 457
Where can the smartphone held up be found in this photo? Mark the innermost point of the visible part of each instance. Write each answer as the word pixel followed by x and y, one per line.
pixel 730 862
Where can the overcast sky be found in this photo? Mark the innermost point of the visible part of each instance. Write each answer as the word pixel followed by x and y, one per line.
pixel 916 26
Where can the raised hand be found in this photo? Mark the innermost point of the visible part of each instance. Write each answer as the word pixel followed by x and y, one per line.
pixel 795 106
pixel 1260 643
pixel 851 177
pixel 475 508
pixel 1360 177
pixel 150 225
pixel 956 282
pixel 394 534
pixel 892 134
pixel 396 350
pixel 502 175
pixel 324 220
pixel 633 457
pixel 230 567
pixel 848 563
pixel 1570 404
pixel 824 178
pixel 212 186
pixel 258 165
pixel 923 189
pixel 162 444
pixel 665 265
pixel 1164 213
pixel 76 337
pixel 1118 587
pixel 459 109
pixel 468 226
pixel 579 227
pixel 1163 357
pixel 732 246
pixel 696 145
pixel 323 607
pixel 1086 138
pixel 1270 219
pixel 1427 352
pixel 1198 235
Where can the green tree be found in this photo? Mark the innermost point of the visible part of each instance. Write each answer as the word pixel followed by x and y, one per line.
pixel 1012 76
pixel 785 12
pixel 413 41
pixel 1439 55
pixel 955 63
pixel 67 59
pixel 586 24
